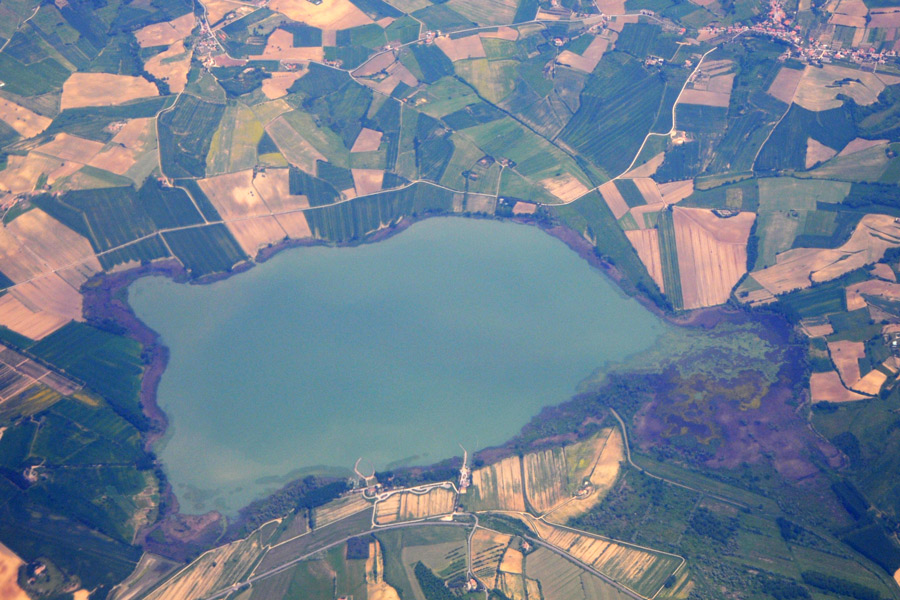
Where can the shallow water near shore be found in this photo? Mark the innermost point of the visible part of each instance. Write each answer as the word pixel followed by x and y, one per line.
pixel 455 331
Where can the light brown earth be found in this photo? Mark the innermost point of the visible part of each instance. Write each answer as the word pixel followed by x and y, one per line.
pixel 859 145
pixel 524 208
pixel 601 467
pixel 26 123
pixel 619 23
pixel 273 186
pixel 255 233
pixel 376 64
pixel 502 33
pixel 646 244
pixel 295 225
pixel 712 254
pixel 887 18
pixel 897 576
pixel 330 14
pixel 70 147
pixel 9 569
pixel 817 91
pixel 798 268
pixel 16 262
pixel 827 387
pixel 410 506
pixel 368 140
pixel 879 270
pixel 614 199
pixel 129 143
pixel 165 34
pixel 704 97
pixel 676 191
pixel 546 479
pixel 55 244
pixel 172 66
pixel 487 552
pixel 461 48
pixel 816 327
pixel 565 187
pixel 104 89
pixel 340 508
pixel 845 355
pixel 512 561
pixel 874 287
pixel 277 85
pixel 856 8
pixel 22 172
pixel 367 181
pixel 26 321
pixel 403 74
pixel 611 7
pixel 817 152
pixel 280 46
pixel 648 168
pixel 871 383
pixel 589 59
pixel 848 21
pixel 501 481
pixel 217 9
pixel 648 189
pixel 785 84
pixel 233 195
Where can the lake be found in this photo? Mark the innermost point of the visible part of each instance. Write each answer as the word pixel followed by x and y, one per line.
pixel 455 331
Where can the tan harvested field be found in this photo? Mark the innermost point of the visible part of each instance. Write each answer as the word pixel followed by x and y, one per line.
pixel 212 571
pixel 859 145
pixel 54 243
pixel 23 172
pixel 897 576
pixel 409 506
pixel 502 33
pixel 368 140
pixel 16 262
pixel 512 586
pixel 461 48
pixel 619 23
pixel 273 186
pixel 524 208
pixel 512 561
pixel 588 60
pixel 367 181
pixel 852 7
pixel 500 485
pixel 26 123
pixel 217 9
pixel 676 191
pixel 597 460
pixel 376 64
pixel 648 168
pixel 172 66
pixel 403 74
pixel 614 199
pixel 295 149
pixel 104 89
pixel 648 189
pixel 704 97
pixel 785 84
pixel 817 90
pixel 646 244
pixel 488 548
pixel 565 187
pixel 9 570
pixel 611 7
pixel 339 509
pixel 376 587
pixel 27 321
pixel 798 268
pixel 277 85
pixel 885 289
pixel 817 152
pixel 848 21
pixel 888 18
pixel 133 140
pixel 51 295
pixel 546 480
pixel 878 270
pixel 70 147
pixel 816 327
pixel 625 564
pixel 233 195
pixel 330 14
pixel 256 233
pixel 712 254
pixel 845 356
pixel 871 383
pixel 827 387
pixel 280 46
pixel 165 34
pixel 295 225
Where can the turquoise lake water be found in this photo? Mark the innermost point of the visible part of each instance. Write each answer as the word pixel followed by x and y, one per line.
pixel 453 331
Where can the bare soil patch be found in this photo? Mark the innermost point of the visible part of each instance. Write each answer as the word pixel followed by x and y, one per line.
pixel 280 46
pixel 9 570
pixel 712 254
pixel 104 89
pixel 133 140
pixel 26 123
pixel 165 34
pixel 859 144
pixel 172 66
pixel 648 168
pixel 646 243
pixel 614 199
pixel 887 18
pixel 295 225
pixel 255 233
pixel 376 64
pixel 845 355
pixel 461 48
pixel 785 84
pixel 368 140
pixel 23 172
pixel 277 85
pixel 827 387
pixel 524 208
pixel 367 181
pixel 817 152
pixel 329 14
pixel 565 187
pixel 233 195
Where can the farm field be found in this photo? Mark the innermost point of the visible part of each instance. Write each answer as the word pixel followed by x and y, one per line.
pixel 412 505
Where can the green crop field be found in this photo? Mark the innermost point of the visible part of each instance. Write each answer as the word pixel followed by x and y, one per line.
pixel 205 250
pixel 185 135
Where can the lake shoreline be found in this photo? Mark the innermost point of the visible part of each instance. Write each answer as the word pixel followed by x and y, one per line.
pixel 106 305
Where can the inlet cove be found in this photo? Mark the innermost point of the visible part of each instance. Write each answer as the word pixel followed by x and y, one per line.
pixel 455 331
